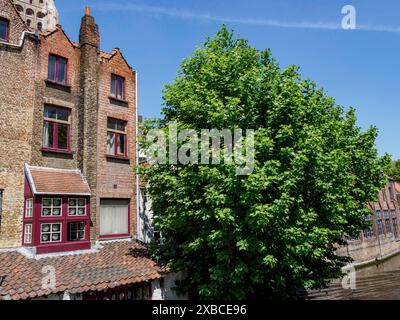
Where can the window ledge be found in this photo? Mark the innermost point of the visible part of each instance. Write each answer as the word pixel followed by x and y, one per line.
pixel 54 83
pixel 118 101
pixel 123 158
pixel 115 237
pixel 68 152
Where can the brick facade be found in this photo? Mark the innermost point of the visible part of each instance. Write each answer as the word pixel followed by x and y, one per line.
pixel 383 238
pixel 24 92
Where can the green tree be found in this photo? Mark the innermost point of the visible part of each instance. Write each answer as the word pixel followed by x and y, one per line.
pixel 394 170
pixel 275 230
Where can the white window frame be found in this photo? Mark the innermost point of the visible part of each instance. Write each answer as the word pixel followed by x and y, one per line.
pixel 52 207
pixel 77 207
pixel 28 234
pixel 51 232
pixel 29 208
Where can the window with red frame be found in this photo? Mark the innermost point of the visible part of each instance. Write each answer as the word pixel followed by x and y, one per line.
pixel 116 138
pixel 56 128
pixel 57 70
pixel 117 87
pixel 4 30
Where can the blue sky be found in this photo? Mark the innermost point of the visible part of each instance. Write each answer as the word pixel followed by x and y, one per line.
pixel 359 68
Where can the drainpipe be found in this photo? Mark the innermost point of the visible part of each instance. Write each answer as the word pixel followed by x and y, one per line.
pixel 138 235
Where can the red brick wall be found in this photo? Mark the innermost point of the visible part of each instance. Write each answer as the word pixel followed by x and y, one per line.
pixel 17 92
pixel 24 94
pixel 110 172
pixel 17 26
pixel 56 43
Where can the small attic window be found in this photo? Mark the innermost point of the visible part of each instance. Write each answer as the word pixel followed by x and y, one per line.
pixel 40 15
pixel 19 8
pixel 29 12
pixel 4 30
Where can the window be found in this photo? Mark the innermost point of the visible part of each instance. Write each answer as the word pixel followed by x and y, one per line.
pixel 76 231
pixel 56 128
pixel 29 208
pixel 57 69
pixel 387 223
pixel 394 224
pixel 28 233
pixel 28 22
pixel 116 137
pixel 4 30
pixel 369 233
pixel 30 12
pixel 39 26
pixel 380 227
pixel 51 207
pixel 114 217
pixel 50 232
pixel 117 87
pixel 77 207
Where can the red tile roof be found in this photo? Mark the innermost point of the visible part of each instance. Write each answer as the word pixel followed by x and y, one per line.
pixel 116 264
pixel 56 181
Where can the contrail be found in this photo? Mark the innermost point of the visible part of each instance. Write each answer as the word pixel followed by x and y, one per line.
pixel 190 15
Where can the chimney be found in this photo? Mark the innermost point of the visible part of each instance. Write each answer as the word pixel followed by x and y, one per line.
pixel 89 39
pixel 89 33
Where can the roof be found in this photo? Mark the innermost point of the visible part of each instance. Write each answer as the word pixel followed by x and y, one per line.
pixel 56 181
pixel 115 264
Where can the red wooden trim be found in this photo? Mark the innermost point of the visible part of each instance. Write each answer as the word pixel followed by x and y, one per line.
pixel 57 61
pixel 55 147
pixel 57 151
pixel 111 236
pixel 121 235
pixel 116 80
pixel 64 245
pixel 111 156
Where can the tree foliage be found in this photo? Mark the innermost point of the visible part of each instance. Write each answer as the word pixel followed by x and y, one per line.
pixel 266 234
pixel 394 170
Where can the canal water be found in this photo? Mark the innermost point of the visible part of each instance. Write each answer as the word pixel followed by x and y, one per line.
pixel 374 282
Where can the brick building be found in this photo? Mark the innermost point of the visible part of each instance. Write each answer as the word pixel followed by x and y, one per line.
pixel 68 149
pixel 383 237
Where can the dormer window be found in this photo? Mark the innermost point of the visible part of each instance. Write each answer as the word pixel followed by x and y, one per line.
pixel 117 87
pixel 57 71
pixel 4 30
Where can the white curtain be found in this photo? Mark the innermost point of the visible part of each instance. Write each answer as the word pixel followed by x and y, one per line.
pixel 114 217
pixel 46 135
pixel 110 143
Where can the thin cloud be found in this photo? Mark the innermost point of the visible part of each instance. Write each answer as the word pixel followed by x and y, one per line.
pixel 190 15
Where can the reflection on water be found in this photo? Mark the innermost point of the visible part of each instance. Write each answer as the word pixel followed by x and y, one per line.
pixel 380 281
